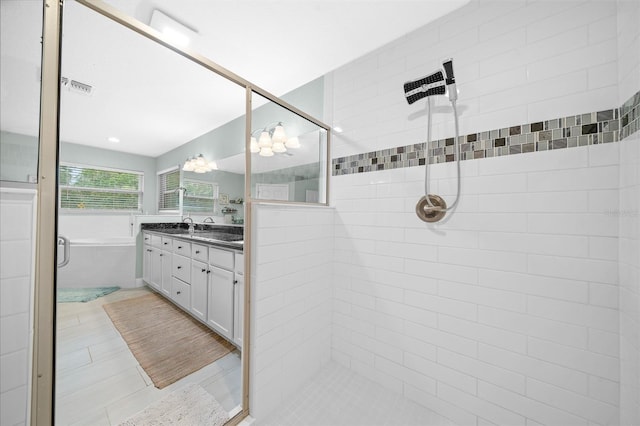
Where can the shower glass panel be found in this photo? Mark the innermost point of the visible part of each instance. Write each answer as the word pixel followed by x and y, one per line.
pixel 288 155
pixel 20 64
pixel 129 109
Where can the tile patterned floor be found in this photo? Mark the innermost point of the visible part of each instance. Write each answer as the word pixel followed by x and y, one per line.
pixel 337 396
pixel 99 381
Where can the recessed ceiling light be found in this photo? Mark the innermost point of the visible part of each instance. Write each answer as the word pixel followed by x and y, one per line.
pixel 113 139
pixel 338 129
pixel 174 31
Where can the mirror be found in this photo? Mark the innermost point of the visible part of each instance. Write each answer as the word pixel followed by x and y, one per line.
pixel 288 160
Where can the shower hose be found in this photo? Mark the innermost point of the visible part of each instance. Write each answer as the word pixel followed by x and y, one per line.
pixel 457 155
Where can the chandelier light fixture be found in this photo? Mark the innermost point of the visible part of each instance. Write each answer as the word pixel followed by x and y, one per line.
pixel 199 165
pixel 272 139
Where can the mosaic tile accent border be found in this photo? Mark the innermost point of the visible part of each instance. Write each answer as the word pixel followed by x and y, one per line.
pixel 576 130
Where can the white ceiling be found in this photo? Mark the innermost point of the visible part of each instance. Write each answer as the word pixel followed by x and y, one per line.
pixel 154 100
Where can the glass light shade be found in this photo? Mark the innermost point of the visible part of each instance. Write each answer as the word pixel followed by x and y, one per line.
pixel 213 165
pixel 278 135
pixel 200 161
pixel 265 140
pixel 254 145
pixel 188 166
pixel 266 152
pixel 201 170
pixel 278 147
pixel 293 142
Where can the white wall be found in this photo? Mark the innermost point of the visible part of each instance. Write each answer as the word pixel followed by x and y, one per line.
pixel 629 211
pixel 507 313
pixel 290 301
pixel 17 243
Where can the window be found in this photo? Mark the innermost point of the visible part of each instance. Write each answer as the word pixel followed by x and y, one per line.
pixel 88 188
pixel 168 185
pixel 199 196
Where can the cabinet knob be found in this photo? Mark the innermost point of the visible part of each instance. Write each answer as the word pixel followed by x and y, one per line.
pixel 161 254
pixel 179 267
pixel 166 244
pixel 203 270
pixel 177 292
pixel 208 272
pixel 179 247
pixel 197 251
pixel 235 281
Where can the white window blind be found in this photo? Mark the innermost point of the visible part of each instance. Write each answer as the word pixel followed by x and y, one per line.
pixel 87 188
pixel 199 196
pixel 168 194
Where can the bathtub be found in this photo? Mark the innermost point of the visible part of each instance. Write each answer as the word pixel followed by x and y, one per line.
pixel 103 262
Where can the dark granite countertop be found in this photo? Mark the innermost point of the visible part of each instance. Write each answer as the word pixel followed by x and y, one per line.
pixel 216 235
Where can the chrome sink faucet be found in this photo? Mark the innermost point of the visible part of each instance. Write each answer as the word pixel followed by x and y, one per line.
pixel 191 225
pixel 209 218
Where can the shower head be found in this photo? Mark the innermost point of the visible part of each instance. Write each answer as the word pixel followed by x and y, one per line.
pixel 430 85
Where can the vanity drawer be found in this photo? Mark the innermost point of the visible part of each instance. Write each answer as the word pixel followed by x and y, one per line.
pixel 182 247
pixel 199 252
pixel 181 293
pixel 221 258
pixel 167 243
pixel 156 240
pixel 181 267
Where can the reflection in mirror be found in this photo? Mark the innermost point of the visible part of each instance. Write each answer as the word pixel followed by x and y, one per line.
pixel 145 316
pixel 288 161
pixel 20 64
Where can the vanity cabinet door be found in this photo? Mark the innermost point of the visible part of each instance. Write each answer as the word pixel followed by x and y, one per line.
pixel 156 268
pixel 165 283
pixel 238 309
pixel 146 263
pixel 220 306
pixel 199 274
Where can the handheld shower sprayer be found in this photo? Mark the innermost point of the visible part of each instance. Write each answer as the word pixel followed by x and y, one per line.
pixel 431 207
pixel 450 80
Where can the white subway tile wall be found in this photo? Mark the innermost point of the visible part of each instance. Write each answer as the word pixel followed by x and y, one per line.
pixel 628 215
pixel 17 245
pixel 508 311
pixel 291 301
pixel 516 305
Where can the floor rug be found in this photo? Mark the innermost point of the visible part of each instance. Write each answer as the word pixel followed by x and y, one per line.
pixel 168 343
pixel 189 406
pixel 66 295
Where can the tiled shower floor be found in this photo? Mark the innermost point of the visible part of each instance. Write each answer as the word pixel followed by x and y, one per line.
pixel 337 396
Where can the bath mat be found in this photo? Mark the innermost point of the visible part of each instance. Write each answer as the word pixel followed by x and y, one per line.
pixel 168 343
pixel 189 406
pixel 66 295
